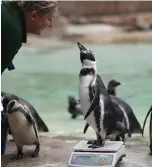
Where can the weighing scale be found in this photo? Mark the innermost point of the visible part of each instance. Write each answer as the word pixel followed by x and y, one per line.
pixel 107 156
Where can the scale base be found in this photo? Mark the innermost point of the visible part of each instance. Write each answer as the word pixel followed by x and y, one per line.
pixel 107 156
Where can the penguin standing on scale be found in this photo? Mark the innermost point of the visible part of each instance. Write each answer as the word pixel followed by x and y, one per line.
pixel 130 119
pixel 103 116
pixel 111 91
pixel 74 107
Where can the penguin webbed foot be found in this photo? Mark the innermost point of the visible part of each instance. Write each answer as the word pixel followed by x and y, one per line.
pixel 19 156
pixel 74 116
pixel 123 139
pixel 96 144
pixel 91 141
pixel 120 138
pixel 117 138
pixel 19 153
pixel 11 140
pixel 129 133
pixel 36 151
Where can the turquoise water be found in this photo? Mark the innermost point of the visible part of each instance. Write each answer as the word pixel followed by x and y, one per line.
pixel 46 76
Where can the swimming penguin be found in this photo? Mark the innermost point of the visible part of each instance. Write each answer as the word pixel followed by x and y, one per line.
pixel 74 107
pixel 23 127
pixel 42 127
pixel 112 87
pixel 101 114
pixel 150 128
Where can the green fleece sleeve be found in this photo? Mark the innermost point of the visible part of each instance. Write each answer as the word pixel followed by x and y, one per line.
pixel 9 46
pixel 10 36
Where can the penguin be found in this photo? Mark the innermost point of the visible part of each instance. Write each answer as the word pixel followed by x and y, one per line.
pixel 101 114
pixel 131 120
pixel 74 107
pixel 112 87
pixel 23 126
pixel 150 128
pixel 133 123
pixel 111 91
pixel 42 127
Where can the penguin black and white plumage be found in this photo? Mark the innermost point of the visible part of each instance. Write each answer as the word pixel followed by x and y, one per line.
pixel 74 107
pixel 112 87
pixel 111 91
pixel 42 127
pixel 131 120
pixel 23 126
pixel 129 116
pixel 150 128
pixel 103 116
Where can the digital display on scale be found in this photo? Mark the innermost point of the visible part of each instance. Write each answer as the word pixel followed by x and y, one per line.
pixel 92 159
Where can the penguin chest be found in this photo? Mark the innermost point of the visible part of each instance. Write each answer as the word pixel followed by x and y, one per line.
pixel 84 93
pixel 84 98
pixel 85 101
pixel 22 130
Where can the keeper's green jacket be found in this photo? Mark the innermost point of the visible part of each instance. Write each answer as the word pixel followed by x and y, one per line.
pixel 13 32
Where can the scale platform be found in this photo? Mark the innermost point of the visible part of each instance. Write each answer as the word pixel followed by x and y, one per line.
pixel 107 156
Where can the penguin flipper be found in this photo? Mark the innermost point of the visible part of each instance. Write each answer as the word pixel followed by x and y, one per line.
pixel 85 128
pixel 135 125
pixel 92 108
pixel 145 121
pixel 94 103
pixel 31 120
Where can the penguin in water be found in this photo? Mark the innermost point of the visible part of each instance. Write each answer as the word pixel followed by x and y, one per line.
pixel 23 127
pixel 103 116
pixel 42 127
pixel 150 128
pixel 73 105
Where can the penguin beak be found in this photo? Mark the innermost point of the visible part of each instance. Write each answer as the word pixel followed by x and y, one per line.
pixel 78 101
pixel 118 83
pixel 81 47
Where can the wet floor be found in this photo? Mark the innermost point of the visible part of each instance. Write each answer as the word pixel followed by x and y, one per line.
pixel 56 153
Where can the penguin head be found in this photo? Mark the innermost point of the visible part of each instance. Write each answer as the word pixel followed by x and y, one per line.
pixel 72 100
pixel 12 106
pixel 113 83
pixel 5 101
pixel 3 94
pixel 86 55
pixel 150 109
